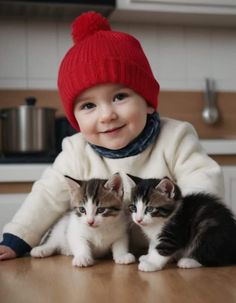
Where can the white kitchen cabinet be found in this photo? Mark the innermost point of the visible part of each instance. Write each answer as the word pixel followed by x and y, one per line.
pixel 9 204
pixel 185 6
pixel 230 186
pixel 224 3
pixel 12 174
pixel 201 12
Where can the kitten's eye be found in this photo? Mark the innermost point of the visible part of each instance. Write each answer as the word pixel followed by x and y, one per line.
pixel 101 210
pixel 149 209
pixel 164 212
pixel 132 208
pixel 88 105
pixel 82 210
pixel 120 97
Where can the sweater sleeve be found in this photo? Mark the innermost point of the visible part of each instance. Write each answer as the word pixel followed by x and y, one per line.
pixel 19 246
pixel 191 167
pixel 47 201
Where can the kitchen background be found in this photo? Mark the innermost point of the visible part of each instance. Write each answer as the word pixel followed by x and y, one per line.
pixel 182 56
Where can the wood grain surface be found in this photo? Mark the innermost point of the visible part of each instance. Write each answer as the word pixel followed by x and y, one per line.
pixel 53 279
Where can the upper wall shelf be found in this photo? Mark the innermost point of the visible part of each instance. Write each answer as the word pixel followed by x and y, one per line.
pixel 59 10
pixel 185 12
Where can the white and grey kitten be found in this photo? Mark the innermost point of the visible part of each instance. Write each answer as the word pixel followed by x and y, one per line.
pixel 96 225
pixel 197 229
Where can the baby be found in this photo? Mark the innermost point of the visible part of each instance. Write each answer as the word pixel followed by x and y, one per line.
pixel 110 97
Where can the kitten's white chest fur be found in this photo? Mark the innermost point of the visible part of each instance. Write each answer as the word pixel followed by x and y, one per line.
pixel 153 230
pixel 99 238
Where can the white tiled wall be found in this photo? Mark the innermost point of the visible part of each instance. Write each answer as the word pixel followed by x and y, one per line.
pixel 181 57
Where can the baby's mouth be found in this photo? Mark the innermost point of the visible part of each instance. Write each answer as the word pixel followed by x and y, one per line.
pixel 111 130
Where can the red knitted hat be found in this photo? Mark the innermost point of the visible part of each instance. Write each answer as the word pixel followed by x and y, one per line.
pixel 100 55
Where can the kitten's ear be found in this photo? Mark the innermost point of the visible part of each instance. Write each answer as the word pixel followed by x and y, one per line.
pixel 114 183
pixel 73 183
pixel 135 179
pixel 167 187
pixel 74 189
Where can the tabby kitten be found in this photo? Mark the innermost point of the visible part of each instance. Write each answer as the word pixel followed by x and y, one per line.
pixel 197 230
pixel 96 224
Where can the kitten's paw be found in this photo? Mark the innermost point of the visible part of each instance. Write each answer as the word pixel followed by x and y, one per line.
pixel 143 258
pixel 41 252
pixel 125 259
pixel 65 251
pixel 82 261
pixel 188 263
pixel 148 266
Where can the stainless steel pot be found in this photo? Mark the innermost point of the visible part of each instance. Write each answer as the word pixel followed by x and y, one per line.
pixel 28 129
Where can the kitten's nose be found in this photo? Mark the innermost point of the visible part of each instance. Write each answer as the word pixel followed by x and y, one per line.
pixel 139 220
pixel 91 222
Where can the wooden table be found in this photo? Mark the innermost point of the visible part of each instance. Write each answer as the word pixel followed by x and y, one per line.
pixel 53 279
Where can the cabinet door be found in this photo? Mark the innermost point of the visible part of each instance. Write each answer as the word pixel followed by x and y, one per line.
pixel 190 2
pixel 9 204
pixel 230 186
pixel 201 12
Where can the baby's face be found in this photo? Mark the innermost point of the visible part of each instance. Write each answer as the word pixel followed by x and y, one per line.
pixel 111 115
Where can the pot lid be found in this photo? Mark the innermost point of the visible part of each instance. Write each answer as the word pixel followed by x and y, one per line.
pixel 30 103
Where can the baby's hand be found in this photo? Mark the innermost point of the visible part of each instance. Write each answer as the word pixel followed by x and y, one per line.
pixel 6 253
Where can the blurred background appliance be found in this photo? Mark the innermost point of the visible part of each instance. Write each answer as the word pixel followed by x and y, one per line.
pixel 31 134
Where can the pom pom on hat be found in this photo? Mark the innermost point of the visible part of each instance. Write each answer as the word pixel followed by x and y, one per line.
pixel 100 55
pixel 87 24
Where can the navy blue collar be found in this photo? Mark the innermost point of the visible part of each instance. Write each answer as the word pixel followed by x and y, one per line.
pixel 138 145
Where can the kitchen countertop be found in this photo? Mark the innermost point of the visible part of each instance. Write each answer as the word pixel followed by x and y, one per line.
pixel 21 172
pixel 32 172
pixel 219 147
pixel 53 279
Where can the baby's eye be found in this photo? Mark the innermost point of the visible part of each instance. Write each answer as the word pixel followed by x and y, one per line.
pixel 87 106
pixel 101 210
pixel 132 208
pixel 120 96
pixel 82 210
pixel 149 209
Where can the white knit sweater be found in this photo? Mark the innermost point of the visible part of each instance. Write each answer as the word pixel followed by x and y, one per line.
pixel 177 154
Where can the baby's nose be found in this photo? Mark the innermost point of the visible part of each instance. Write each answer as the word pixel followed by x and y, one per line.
pixel 107 114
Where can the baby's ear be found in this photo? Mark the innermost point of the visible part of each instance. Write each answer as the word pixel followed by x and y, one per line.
pixel 150 109
pixel 167 187
pixel 133 180
pixel 115 184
